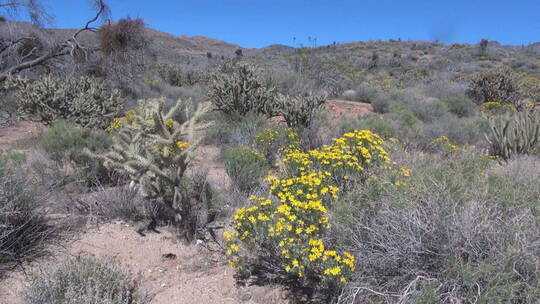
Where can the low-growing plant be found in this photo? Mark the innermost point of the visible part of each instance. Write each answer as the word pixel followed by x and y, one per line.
pixel 238 88
pixel 84 280
pixel 155 151
pixel 461 106
pixel 246 167
pixel 65 142
pixel 87 101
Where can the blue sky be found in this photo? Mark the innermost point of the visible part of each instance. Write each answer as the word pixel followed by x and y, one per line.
pixel 258 23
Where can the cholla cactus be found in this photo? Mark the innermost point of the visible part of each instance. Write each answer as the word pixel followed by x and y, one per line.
pixel 155 150
pixel 514 134
pixel 87 101
pixel 496 85
pixel 238 88
pixel 300 110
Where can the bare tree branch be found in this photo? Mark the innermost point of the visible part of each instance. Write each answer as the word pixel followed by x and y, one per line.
pixel 68 47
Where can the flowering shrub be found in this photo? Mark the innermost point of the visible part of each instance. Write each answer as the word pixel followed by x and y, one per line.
pixel 282 237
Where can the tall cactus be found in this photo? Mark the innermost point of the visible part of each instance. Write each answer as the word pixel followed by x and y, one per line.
pixel 514 134
pixel 155 150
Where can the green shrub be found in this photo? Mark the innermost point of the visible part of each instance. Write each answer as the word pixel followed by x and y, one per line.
pixel 461 106
pixel 245 167
pixel 428 110
pixel 65 142
pixel 375 123
pixel 84 280
pixel 87 101
pixel 238 88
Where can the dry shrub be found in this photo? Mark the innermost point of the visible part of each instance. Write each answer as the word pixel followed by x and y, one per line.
pixel 25 230
pixel 125 35
pixel 457 233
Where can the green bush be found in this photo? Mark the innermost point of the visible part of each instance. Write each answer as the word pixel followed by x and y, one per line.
pixel 245 167
pixel 87 101
pixel 84 280
pixel 238 88
pixel 461 106
pixel 65 142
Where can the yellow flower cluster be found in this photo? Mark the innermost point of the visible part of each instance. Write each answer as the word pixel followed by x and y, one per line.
pixel 123 121
pixel 352 153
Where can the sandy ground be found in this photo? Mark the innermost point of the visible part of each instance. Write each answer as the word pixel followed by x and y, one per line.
pixel 195 275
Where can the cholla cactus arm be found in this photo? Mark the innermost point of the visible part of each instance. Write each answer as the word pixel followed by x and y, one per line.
pixel 155 152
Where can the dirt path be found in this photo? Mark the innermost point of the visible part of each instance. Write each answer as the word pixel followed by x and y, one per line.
pixel 194 276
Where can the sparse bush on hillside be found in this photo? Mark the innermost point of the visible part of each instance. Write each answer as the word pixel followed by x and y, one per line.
pixel 514 134
pixel 495 85
pixel 123 36
pixel 245 167
pixel 238 88
pixel 155 151
pixel 84 280
pixel 87 101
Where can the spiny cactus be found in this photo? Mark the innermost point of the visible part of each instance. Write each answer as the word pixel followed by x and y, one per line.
pixel 238 88
pixel 300 110
pixel 495 85
pixel 514 134
pixel 87 101
pixel 155 151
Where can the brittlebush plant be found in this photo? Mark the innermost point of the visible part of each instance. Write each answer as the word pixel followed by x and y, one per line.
pixel 283 237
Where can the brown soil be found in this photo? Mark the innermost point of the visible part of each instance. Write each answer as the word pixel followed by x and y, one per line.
pixel 195 275
pixel 352 109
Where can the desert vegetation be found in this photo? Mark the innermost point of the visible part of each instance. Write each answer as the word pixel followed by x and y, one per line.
pixel 430 195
